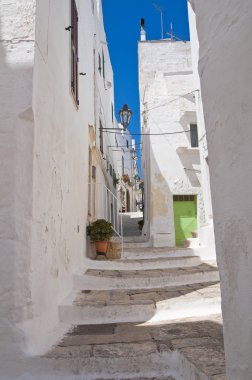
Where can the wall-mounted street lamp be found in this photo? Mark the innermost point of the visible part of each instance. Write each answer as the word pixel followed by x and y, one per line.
pixel 125 114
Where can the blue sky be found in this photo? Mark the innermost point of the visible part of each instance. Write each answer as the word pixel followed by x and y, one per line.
pixel 122 25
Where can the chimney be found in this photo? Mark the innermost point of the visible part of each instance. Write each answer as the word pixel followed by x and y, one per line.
pixel 143 32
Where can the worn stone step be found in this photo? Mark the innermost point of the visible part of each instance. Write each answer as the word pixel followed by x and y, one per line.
pixel 95 279
pixel 184 349
pixel 94 307
pixel 136 252
pixel 138 264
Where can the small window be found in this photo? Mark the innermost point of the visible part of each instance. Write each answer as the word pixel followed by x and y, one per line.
pixel 74 52
pixel 99 63
pixel 194 135
pixel 127 143
pixel 101 137
pixel 103 65
pixel 184 198
pixel 112 113
pixel 122 165
pixel 110 170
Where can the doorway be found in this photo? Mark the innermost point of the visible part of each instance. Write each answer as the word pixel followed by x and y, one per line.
pixel 185 217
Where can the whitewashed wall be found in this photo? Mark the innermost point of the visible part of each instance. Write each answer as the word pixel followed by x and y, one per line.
pixel 225 60
pixel 44 147
pixel 16 168
pixel 206 232
pixel 165 75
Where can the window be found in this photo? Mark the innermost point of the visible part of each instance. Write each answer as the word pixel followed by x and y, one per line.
pixel 101 137
pixel 110 170
pixel 127 143
pixel 194 135
pixel 122 165
pixel 74 52
pixel 184 198
pixel 112 113
pixel 103 65
pixel 99 63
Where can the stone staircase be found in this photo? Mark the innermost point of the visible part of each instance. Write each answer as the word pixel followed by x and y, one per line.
pixel 153 315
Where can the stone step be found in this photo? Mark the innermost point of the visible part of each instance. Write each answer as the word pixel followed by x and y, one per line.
pixel 96 307
pixel 184 349
pixel 95 279
pixel 138 264
pixel 136 252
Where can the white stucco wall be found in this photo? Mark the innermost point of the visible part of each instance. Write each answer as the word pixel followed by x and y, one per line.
pixel 16 150
pixel 225 58
pixel 206 232
pixel 170 166
pixel 44 147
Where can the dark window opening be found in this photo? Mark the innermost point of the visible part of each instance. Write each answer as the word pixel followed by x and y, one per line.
pixel 127 143
pixel 194 135
pixel 101 137
pixel 122 165
pixel 184 198
pixel 74 52
pixel 110 170
pixel 112 112
pixel 99 63
pixel 103 65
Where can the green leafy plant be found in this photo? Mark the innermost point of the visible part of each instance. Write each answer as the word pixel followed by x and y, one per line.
pixel 100 230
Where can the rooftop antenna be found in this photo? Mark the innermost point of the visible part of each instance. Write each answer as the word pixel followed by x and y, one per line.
pixel 171 34
pixel 161 15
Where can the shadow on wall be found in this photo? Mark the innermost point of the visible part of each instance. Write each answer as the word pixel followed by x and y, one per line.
pixel 190 161
pixel 16 155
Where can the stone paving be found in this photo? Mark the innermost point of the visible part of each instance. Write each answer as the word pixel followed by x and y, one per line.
pixel 200 341
pixel 108 297
pixel 130 223
pixel 138 324
pixel 152 273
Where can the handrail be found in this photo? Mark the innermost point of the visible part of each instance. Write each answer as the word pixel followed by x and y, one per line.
pixel 103 204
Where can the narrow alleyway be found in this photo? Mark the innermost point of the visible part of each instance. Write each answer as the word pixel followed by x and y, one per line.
pixel 130 223
pixel 153 315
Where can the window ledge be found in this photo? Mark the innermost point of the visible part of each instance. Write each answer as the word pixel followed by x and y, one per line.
pixel 186 149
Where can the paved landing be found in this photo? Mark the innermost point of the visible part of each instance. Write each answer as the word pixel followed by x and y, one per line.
pixel 186 292
pixel 200 342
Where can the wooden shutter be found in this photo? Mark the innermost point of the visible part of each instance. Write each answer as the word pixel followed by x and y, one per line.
pixel 74 52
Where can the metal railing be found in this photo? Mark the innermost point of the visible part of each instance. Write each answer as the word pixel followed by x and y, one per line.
pixel 103 204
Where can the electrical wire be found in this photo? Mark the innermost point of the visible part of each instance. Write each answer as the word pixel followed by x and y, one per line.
pixel 170 101
pixel 153 134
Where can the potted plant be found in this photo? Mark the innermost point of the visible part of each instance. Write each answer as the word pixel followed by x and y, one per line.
pixel 100 232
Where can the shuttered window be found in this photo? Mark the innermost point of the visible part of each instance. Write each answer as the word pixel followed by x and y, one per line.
pixel 74 52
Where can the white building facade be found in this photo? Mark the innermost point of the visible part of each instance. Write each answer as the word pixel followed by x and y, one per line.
pixel 223 30
pixel 173 205
pixel 56 102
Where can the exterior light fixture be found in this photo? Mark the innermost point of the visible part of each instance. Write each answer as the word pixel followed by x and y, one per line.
pixel 125 114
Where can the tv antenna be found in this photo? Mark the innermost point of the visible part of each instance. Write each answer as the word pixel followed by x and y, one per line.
pixel 159 9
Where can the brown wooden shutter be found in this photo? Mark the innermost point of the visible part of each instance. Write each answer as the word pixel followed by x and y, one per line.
pixel 74 52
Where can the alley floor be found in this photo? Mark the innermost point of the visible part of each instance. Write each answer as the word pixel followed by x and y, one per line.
pixel 130 223
pixel 152 315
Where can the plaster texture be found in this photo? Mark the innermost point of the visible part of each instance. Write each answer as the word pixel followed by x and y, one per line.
pixel 44 166
pixel 225 73
pixel 170 165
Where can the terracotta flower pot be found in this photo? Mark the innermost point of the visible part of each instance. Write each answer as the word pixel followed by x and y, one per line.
pixel 101 246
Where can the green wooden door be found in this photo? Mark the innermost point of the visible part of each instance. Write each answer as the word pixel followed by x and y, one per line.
pixel 185 217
